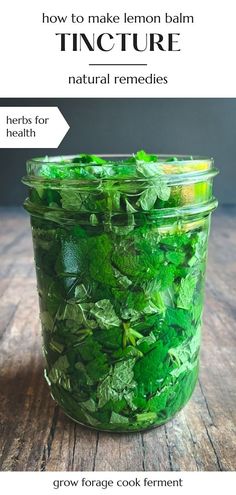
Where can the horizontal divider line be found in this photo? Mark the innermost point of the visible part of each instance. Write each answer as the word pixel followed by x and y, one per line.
pixel 120 64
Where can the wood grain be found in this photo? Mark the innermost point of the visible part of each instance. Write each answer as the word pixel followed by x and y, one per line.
pixel 36 435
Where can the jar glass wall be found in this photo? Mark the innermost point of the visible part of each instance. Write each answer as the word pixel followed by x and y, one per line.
pixel 120 250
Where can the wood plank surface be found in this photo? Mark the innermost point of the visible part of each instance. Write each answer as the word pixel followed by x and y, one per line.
pixel 35 434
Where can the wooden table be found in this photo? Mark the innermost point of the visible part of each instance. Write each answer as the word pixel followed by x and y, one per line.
pixel 36 435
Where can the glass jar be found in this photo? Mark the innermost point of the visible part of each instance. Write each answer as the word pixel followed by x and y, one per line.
pixel 120 247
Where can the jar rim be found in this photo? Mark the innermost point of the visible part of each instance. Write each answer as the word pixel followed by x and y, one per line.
pixel 177 169
pixel 81 182
pixel 122 155
pixel 118 158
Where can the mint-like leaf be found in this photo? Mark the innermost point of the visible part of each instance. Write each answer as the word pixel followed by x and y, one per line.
pixel 186 291
pixel 104 313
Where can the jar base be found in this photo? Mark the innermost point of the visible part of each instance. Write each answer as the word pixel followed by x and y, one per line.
pixel 125 429
pixel 138 430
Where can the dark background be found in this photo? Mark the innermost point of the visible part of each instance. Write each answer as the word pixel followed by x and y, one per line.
pixel 125 125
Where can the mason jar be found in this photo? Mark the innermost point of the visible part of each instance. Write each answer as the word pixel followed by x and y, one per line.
pixel 120 245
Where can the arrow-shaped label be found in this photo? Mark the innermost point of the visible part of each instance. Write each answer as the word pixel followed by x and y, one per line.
pixel 31 127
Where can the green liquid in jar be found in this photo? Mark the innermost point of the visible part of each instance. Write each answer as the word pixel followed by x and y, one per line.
pixel 121 293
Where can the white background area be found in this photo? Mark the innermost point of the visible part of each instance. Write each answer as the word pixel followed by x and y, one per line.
pixel 33 66
pixel 193 483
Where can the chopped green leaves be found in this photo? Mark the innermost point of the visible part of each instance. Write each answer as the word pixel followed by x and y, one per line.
pixel 150 195
pixel 118 419
pixel 126 331
pixel 121 295
pixel 117 383
pixel 104 314
pixel 186 290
